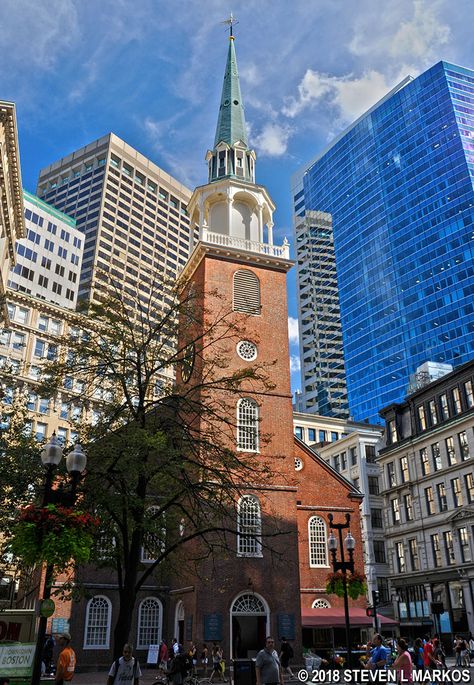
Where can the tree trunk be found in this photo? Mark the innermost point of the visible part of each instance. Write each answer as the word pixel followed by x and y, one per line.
pixel 123 623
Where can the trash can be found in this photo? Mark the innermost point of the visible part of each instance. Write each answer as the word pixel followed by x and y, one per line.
pixel 244 671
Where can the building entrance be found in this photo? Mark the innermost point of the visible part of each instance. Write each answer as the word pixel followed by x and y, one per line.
pixel 250 618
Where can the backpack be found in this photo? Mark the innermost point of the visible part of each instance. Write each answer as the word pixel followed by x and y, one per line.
pixel 116 664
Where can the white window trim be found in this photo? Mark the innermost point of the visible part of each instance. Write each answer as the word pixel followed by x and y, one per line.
pixel 140 645
pixel 258 535
pixel 311 564
pixel 109 623
pixel 242 449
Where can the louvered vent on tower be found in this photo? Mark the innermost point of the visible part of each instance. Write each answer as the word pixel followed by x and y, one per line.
pixel 246 292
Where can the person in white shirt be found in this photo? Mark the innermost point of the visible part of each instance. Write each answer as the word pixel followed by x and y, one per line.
pixel 126 670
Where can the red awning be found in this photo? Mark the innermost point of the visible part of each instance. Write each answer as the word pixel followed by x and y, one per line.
pixel 335 618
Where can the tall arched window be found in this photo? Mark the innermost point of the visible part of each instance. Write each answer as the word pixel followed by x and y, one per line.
pixel 246 295
pixel 318 546
pixel 247 425
pixel 249 527
pixel 98 619
pixel 150 617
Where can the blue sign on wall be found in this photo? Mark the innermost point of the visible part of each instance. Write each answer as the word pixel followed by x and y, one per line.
pixel 286 626
pixel 59 625
pixel 213 627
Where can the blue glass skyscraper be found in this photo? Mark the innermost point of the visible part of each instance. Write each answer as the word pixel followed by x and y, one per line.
pixel 399 186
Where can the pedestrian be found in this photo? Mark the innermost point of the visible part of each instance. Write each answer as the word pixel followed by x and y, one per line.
pixel 125 670
pixel 438 653
pixel 286 654
pixel 66 661
pixel 177 669
pixel 47 654
pixel 267 665
pixel 464 652
pixel 471 646
pixel 175 646
pixel 418 654
pixel 457 649
pixel 403 663
pixel 217 658
pixel 204 658
pixel 192 651
pixel 163 655
pixel 378 655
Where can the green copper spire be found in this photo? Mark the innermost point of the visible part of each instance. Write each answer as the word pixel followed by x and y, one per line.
pixel 231 122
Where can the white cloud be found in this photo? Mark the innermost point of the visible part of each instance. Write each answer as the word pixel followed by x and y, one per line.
pixel 294 363
pixel 273 139
pixel 417 38
pixel 293 330
pixel 350 96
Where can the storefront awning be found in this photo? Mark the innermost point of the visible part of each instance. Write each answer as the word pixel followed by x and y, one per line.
pixel 335 618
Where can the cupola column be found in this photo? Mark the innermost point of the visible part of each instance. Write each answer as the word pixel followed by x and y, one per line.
pixel 260 223
pixel 270 232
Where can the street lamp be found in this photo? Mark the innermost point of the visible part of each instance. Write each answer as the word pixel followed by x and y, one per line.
pixel 343 566
pixel 76 461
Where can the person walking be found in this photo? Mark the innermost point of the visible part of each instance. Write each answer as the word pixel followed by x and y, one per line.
pixel 470 642
pixel 286 654
pixel 267 665
pixel 403 663
pixel 126 669
pixel 204 659
pixel 163 656
pixel 418 654
pixel 217 658
pixel 378 655
pixel 66 662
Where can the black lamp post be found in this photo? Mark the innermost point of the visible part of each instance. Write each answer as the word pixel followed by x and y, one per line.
pixel 343 566
pixel 75 463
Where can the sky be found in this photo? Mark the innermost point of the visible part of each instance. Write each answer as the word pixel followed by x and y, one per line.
pixel 151 72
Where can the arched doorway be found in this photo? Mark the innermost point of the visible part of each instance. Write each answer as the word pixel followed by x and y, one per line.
pixel 179 622
pixel 249 619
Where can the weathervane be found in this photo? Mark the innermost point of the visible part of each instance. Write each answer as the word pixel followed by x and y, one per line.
pixel 230 22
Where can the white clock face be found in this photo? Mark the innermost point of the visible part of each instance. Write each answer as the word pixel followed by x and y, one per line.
pixel 247 350
pixel 187 362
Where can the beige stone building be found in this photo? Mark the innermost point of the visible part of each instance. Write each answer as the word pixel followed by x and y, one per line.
pixel 11 197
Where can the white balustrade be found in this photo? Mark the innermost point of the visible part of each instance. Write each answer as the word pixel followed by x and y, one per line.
pixel 282 251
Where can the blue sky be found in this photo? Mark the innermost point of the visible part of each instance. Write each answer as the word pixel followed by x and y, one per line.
pixel 151 71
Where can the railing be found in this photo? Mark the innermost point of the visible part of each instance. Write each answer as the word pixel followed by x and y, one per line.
pixel 282 251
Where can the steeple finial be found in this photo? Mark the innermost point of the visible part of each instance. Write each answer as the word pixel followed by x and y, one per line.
pixel 230 22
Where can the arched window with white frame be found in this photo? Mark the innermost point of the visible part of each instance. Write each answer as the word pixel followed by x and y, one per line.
pixel 318 544
pixel 150 620
pixel 247 425
pixel 249 527
pixel 98 621
pixel 320 604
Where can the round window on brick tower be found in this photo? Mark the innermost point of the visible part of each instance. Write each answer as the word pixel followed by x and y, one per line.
pixel 298 464
pixel 247 350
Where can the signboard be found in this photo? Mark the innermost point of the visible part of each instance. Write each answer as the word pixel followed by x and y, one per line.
pixel 189 628
pixel 153 653
pixel 47 608
pixel 60 625
pixel 17 660
pixel 213 627
pixel 286 626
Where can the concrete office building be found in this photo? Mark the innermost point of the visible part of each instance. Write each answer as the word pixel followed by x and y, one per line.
pixel 323 378
pixel 133 215
pixel 399 186
pixel 428 488
pixel 49 257
pixel 12 224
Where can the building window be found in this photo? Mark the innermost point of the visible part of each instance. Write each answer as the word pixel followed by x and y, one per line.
pixel 443 402
pixel 436 549
pixel 379 552
pixel 429 499
pixel 299 432
pixel 318 548
pixel 449 547
pixel 337 463
pixel 374 486
pixel 463 445
pixel 353 453
pixel 311 435
pixel 247 425
pixel 322 436
pixel 404 469
pixel 249 527
pixel 343 461
pixel 246 292
pixel 334 436
pixel 457 492
pixel 370 454
pixel 400 557
pixel 442 500
pixel 421 417
pixel 414 559
pixel 456 400
pixel 320 604
pixel 391 480
pixel 408 506
pixel 469 393
pixel 395 511
pixel 464 545
pixel 450 451
pixel 43 322
pixel 469 481
pixel 392 431
pixel 376 518
pixel 40 348
pixel 425 462
pixel 98 618
pixel 150 615
pixel 433 413
pixel 436 454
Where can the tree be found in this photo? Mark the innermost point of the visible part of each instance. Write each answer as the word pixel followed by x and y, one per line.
pixel 163 472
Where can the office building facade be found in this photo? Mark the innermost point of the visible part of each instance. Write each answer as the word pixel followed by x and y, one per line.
pixel 323 377
pixel 399 186
pixel 49 258
pixel 428 489
pixel 132 214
